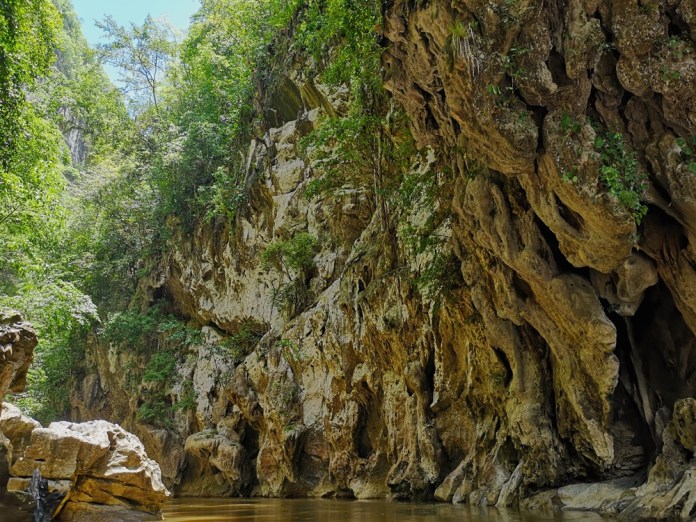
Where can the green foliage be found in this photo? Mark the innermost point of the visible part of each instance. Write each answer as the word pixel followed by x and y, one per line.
pixel 183 154
pixel 292 297
pixel 91 190
pixel 131 328
pixel 290 350
pixel 80 99
pixel 570 125
pixel 240 344
pixel 439 272
pixel 350 29
pixel 570 176
pixel 324 184
pixel 621 172
pixel 688 152
pixel 31 213
pixel 295 259
pixel 63 317
pixel 111 235
pixel 53 122
pixel 440 275
pixel 160 368
pixel 224 197
pixel 417 188
pixel 343 37
pixel 670 75
pixel 493 90
pixel 678 48
pixel 511 65
pixel 30 156
pixel 178 334
pixel 296 254
pixel 198 168
pixel 342 151
pixel 28 35
pixel 187 400
pixel 155 410
pixel 140 54
pixel 145 332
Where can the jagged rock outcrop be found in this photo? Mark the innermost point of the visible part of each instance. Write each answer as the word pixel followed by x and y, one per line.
pixel 101 469
pixel 563 348
pixel 17 342
pixel 668 493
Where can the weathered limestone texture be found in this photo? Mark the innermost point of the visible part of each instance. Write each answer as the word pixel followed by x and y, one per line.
pixel 669 492
pixel 551 357
pixel 17 343
pixel 95 465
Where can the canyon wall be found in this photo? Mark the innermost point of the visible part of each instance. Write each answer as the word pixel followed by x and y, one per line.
pixel 545 336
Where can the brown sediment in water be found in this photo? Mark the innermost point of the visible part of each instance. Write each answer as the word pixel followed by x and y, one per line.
pixel 310 510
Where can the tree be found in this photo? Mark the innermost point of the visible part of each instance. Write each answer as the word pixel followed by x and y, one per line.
pixel 141 55
pixel 28 32
pixel 30 180
pixel 44 101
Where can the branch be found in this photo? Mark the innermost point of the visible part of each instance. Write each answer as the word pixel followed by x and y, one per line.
pixel 9 215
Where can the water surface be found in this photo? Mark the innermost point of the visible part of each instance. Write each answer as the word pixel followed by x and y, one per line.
pixel 318 510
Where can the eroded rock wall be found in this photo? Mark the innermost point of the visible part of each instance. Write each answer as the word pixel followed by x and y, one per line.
pixel 565 334
pixel 17 342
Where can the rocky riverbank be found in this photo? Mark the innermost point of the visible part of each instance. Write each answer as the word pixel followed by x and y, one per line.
pixel 96 470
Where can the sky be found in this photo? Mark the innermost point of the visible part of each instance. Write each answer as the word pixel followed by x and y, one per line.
pixel 177 12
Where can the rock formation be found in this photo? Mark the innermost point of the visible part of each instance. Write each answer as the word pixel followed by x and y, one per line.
pixel 558 347
pixel 93 464
pixel 668 493
pixel 101 470
pixel 17 343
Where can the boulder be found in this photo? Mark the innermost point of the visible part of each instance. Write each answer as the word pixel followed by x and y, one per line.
pixel 17 342
pixel 99 466
pixel 218 464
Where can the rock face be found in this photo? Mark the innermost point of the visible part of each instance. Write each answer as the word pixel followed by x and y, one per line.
pixel 545 339
pixel 669 493
pixel 95 464
pixel 17 343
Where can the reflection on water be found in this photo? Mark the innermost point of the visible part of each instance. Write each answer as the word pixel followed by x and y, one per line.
pixel 265 510
pixel 10 512
pixel 316 510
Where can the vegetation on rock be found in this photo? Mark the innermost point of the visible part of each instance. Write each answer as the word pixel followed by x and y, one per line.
pixel 349 247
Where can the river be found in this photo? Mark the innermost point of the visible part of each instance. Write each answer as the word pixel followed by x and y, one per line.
pixel 316 510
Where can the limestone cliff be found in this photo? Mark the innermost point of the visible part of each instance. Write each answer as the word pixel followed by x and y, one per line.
pixel 554 344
